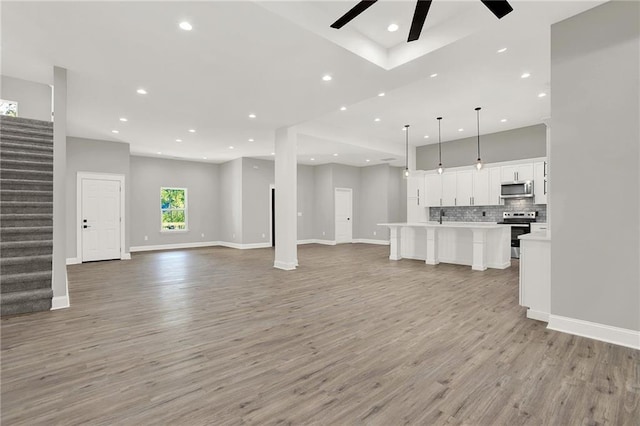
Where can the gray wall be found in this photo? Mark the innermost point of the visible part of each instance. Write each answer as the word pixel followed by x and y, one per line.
pixel 148 175
pixel 595 160
pixel 306 200
pixel 230 201
pixel 324 202
pixel 88 155
pixel 516 144
pixel 257 176
pixel 34 99
pixel 374 202
pixel 397 196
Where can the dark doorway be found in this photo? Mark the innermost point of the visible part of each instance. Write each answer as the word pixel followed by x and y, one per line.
pixel 273 217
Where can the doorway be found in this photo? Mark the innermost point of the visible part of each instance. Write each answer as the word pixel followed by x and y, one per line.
pixel 273 216
pixel 343 215
pixel 100 217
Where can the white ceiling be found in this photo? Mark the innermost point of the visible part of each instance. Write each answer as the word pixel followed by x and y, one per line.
pixel 244 57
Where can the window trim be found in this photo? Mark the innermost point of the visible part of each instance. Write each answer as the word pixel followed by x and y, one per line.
pixel 186 210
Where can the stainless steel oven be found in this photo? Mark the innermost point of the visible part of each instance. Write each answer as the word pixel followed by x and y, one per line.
pixel 520 223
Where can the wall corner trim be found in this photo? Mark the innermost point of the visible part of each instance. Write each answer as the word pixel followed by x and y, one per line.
pixel 73 260
pixel 597 331
pixel 125 256
pixel 60 302
pixel 285 266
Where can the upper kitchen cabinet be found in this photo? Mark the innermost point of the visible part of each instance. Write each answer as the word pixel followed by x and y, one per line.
pixel 449 188
pixel 433 188
pixel 540 182
pixel 517 172
pixel 415 188
pixel 481 191
pixel 464 188
pixel 495 184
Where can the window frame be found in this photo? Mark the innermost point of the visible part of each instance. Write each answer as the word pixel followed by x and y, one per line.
pixel 185 210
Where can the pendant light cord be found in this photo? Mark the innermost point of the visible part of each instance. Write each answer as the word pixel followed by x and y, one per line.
pixel 478 119
pixel 439 142
pixel 406 163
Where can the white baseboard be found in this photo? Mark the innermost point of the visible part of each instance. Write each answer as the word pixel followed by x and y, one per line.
pixel 125 256
pixel 538 315
pixel 173 246
pixel 593 330
pixel 60 302
pixel 243 246
pixel 73 260
pixel 369 241
pixel 325 242
pixel 287 266
pixel 300 242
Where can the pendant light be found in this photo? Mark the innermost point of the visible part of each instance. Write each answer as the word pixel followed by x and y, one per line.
pixel 440 168
pixel 406 163
pixel 479 161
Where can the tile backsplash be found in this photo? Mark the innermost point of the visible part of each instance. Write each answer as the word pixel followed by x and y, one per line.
pixel 492 213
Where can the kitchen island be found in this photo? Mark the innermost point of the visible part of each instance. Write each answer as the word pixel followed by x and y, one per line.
pixel 481 245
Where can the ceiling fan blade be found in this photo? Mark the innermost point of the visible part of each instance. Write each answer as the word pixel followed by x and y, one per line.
pixel 499 8
pixel 355 11
pixel 419 16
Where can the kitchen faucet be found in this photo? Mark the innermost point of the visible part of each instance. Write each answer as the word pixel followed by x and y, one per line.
pixel 441 214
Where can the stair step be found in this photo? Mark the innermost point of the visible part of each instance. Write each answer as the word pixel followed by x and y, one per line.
pixel 15 153
pixel 26 174
pixel 31 185
pixel 26 207
pixel 23 233
pixel 26 281
pixel 8 121
pixel 21 302
pixel 25 220
pixel 38 135
pixel 25 144
pixel 25 195
pixel 26 165
pixel 24 264
pixel 25 248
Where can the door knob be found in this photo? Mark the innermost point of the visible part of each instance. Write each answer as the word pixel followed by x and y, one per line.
pixel 86 226
pixel 84 220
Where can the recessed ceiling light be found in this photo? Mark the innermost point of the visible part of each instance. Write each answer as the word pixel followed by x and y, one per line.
pixel 186 26
pixel 230 147
pixel 327 77
pixel 392 28
pixel 381 94
pixel 141 91
pixel 123 119
pixel 335 155
pixel 461 130
pixel 273 153
pixel 344 108
pixel 192 130
pixel 504 49
pixel 367 160
pixel 159 152
pixel 435 74
pixel 504 120
pixel 178 140
pixel 376 119
pixel 115 131
pixel 312 159
pixel 525 75
pixel 252 116
pixel 204 158
pixel 250 140
pixel 426 136
pixel 542 95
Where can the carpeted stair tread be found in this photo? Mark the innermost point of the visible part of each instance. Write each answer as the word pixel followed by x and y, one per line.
pixel 25 248
pixel 25 276
pixel 24 194
pixel 12 153
pixel 21 164
pixel 7 173
pixel 26 207
pixel 25 145
pixel 7 120
pixel 18 184
pixel 23 296
pixel 25 264
pixel 25 260
pixel 26 233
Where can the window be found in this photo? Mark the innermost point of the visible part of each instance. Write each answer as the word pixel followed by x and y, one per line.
pixel 173 206
pixel 8 108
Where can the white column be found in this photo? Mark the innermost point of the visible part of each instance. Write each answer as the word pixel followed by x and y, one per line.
pixel 59 267
pixel 286 173
pixel 395 243
pixel 479 249
pixel 432 247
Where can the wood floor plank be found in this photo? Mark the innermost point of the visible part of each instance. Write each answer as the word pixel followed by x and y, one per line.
pixel 218 336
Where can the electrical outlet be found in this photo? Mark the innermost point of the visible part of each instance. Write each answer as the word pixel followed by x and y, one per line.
pixel 299 213
pixel 146 238
pixel 263 236
pixel 202 235
pixel 233 236
pixel 374 233
pixel 323 233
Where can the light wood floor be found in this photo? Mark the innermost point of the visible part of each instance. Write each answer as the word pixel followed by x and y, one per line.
pixel 217 336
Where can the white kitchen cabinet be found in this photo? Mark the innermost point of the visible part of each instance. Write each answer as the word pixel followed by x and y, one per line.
pixel 464 188
pixel 517 172
pixel 495 184
pixel 539 227
pixel 535 275
pixel 449 188
pixel 415 188
pixel 540 182
pixel 415 212
pixel 433 188
pixel 480 195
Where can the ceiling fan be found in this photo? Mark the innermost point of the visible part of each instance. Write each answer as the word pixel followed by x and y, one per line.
pixel 499 8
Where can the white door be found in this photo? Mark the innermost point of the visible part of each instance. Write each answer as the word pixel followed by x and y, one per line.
pixel 100 221
pixel 344 219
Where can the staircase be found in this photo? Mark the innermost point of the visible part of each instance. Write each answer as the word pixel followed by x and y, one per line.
pixel 26 215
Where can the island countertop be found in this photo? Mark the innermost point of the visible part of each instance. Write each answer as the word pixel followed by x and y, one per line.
pixel 483 225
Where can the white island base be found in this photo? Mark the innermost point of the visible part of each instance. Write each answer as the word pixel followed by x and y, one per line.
pixel 478 244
